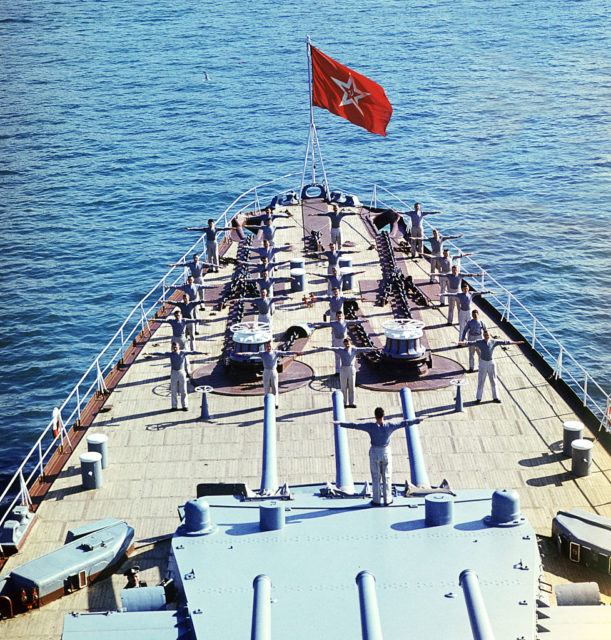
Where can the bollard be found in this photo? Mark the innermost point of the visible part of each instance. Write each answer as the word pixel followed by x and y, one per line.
pixel 343 471
pixel 271 516
pixel 581 457
pixel 571 431
pixel 347 273
pixel 297 280
pixel 297 263
pixel 204 390
pixel 438 509
pixel 91 469
pixel 98 442
pixel 458 384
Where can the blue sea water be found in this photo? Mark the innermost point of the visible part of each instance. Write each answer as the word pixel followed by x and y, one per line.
pixel 112 140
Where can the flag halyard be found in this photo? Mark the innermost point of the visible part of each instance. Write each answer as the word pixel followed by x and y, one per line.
pixel 348 94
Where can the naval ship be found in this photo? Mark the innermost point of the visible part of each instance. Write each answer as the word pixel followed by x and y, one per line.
pixel 250 513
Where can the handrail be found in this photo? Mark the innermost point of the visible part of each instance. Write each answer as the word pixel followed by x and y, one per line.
pixel 32 467
pixel 565 365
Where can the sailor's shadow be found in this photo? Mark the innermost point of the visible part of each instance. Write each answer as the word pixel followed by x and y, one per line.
pixel 439 411
pixel 324 383
pixel 161 426
pixel 544 458
pixel 293 415
pixel 140 383
pixel 229 414
pixel 162 390
pixel 440 349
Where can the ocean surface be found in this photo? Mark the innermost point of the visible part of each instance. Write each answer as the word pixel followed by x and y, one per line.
pixel 112 140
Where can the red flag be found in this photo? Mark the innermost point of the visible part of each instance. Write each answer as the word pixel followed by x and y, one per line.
pixel 348 94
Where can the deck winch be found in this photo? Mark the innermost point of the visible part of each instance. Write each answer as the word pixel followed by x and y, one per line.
pixel 248 340
pixel 404 340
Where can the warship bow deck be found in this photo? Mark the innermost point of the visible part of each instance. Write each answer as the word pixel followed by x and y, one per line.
pixel 157 456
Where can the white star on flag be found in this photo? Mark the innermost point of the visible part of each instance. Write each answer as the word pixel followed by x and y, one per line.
pixel 351 93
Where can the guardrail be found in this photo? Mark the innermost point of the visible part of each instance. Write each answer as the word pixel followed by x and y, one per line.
pixel 55 435
pixel 540 338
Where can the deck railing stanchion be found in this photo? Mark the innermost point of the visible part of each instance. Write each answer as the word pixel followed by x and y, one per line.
pixel 507 310
pixel 532 342
pixel 42 466
pixel 585 390
pixel 605 423
pixel 145 320
pixel 78 403
pixel 558 368
pixel 101 385
pixel 24 494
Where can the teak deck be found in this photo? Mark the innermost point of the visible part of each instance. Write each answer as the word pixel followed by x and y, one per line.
pixel 157 456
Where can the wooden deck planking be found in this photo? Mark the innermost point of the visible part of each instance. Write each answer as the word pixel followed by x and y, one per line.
pixel 157 457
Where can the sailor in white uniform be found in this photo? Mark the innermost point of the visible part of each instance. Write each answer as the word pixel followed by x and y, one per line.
pixel 473 331
pixel 380 456
pixel 465 297
pixel 333 255
pixel 336 216
pixel 265 307
pixel 339 332
pixel 336 303
pixel 212 246
pixel 436 241
pixel 454 280
pixel 268 230
pixel 270 358
pixel 179 372
pixel 179 328
pixel 335 279
pixel 416 229
pixel 187 309
pixel 445 264
pixel 487 368
pixel 347 368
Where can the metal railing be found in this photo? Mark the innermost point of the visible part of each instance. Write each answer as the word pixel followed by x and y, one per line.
pixel 540 338
pixel 55 435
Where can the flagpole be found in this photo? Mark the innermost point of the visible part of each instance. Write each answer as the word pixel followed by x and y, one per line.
pixel 310 83
pixel 312 129
pixel 313 135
